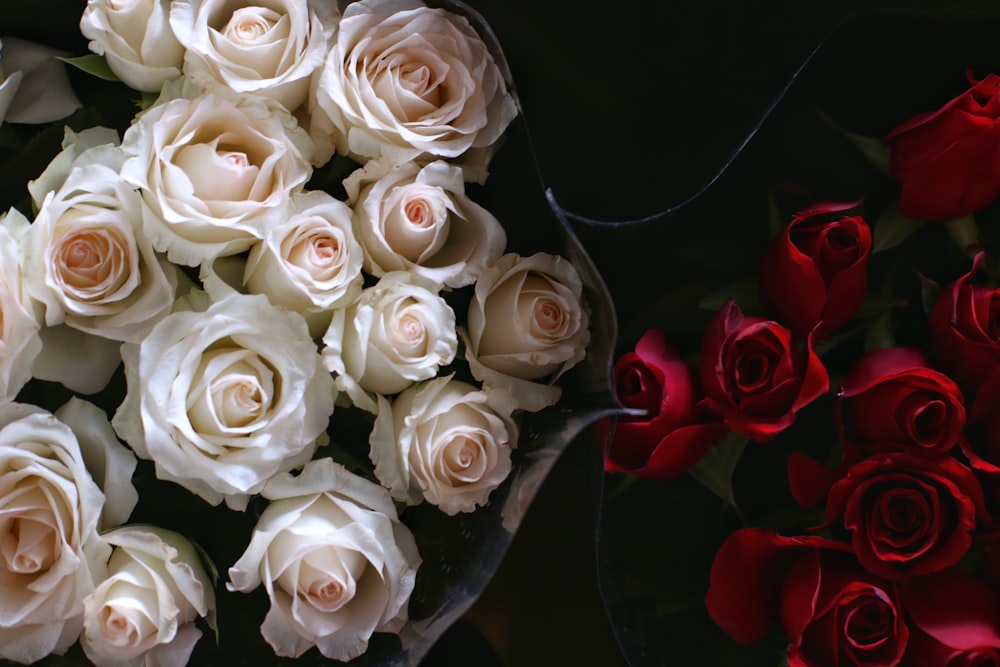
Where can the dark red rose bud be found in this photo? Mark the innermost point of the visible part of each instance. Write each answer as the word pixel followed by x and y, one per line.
pixel 892 399
pixel 954 621
pixel 946 161
pixel 964 327
pixel 832 611
pixel 909 514
pixel 754 375
pixel 675 428
pixel 815 271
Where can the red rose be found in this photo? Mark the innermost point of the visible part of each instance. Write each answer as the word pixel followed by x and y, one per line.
pixel 964 327
pixel 675 429
pixel 833 612
pixel 892 399
pixel 947 161
pixel 815 271
pixel 954 621
pixel 754 375
pixel 908 514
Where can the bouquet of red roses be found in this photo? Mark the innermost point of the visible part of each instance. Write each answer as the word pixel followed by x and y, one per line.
pixel 845 401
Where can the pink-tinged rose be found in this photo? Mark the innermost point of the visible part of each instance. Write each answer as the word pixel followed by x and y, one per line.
pixel 675 429
pixel 908 514
pixel 754 375
pixel 946 161
pixel 815 271
pixel 955 621
pixel 892 399
pixel 832 611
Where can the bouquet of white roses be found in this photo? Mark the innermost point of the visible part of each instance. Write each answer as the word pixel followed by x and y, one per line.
pixel 263 325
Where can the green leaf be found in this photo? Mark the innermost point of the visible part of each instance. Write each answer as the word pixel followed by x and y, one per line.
pixel 745 291
pixel 892 228
pixel 880 334
pixel 876 304
pixel 871 147
pixel 930 292
pixel 92 64
pixel 715 469
pixel 964 232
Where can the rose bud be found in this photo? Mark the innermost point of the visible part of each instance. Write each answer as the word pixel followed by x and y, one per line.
pixel 675 429
pixel 832 611
pixel 964 327
pixel 754 376
pixel 892 399
pixel 946 160
pixel 908 514
pixel 815 271
pixel 954 621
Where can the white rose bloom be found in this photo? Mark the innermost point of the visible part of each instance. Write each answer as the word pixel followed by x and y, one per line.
pixel 86 259
pixel 19 339
pixel 444 441
pixel 397 332
pixel 224 399
pixel 143 614
pixel 50 552
pixel 134 36
pixel 214 173
pixel 268 47
pixel 527 325
pixel 34 86
pixel 418 219
pixel 408 82
pixel 334 559
pixel 310 262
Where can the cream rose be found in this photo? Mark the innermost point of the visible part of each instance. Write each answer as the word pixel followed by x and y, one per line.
pixel 135 38
pixel 267 47
pixel 334 559
pixel 527 325
pixel 405 82
pixel 214 173
pixel 19 340
pixel 310 263
pixel 418 219
pixel 222 400
pixel 50 552
pixel 445 442
pixel 34 86
pixel 397 332
pixel 86 260
pixel 143 613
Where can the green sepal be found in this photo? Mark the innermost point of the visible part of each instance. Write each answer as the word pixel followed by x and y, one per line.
pixel 892 228
pixel 92 64
pixel 715 469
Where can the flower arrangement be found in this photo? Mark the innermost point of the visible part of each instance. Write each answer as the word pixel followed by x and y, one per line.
pixel 263 336
pixel 839 399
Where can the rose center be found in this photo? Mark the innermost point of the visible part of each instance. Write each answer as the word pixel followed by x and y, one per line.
pixel 250 24
pixel 418 213
pixel 118 629
pixel 868 624
pixel 28 546
pixel 416 78
pixel 548 318
pixel 409 330
pixel 463 460
pixel 925 418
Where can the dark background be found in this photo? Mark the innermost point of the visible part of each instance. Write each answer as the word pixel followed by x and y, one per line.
pixel 633 107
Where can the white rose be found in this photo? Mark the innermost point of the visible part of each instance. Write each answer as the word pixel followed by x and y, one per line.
pixel 19 340
pixel 309 263
pixel 143 614
pixel 50 552
pixel 214 173
pixel 397 332
pixel 405 82
pixel 224 399
pixel 34 86
pixel 334 559
pixel 134 36
pixel 527 322
pixel 444 441
pixel 86 259
pixel 417 219
pixel 269 47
